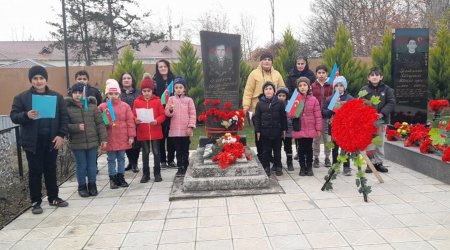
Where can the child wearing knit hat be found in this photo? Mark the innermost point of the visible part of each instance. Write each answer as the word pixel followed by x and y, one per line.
pixel 340 85
pixel 121 134
pixel 149 133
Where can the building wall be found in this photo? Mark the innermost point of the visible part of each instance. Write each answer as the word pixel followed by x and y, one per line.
pixel 15 81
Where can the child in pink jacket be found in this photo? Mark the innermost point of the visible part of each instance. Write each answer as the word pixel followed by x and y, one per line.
pixel 309 127
pixel 182 111
pixel 121 134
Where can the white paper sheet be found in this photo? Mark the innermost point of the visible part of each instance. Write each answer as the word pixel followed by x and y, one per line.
pixel 145 115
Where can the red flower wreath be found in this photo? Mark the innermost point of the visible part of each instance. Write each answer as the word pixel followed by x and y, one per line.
pixel 353 126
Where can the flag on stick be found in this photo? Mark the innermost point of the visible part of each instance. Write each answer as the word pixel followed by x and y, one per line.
pixel 334 74
pixel 168 92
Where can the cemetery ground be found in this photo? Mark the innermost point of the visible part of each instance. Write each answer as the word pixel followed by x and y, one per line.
pixel 408 211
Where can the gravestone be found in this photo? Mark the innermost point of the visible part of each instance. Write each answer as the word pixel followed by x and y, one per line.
pixel 410 74
pixel 221 54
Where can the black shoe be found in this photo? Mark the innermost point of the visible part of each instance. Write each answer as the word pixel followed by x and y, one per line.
pixel 135 168
pixel 302 171
pixel 289 164
pixel 36 208
pixel 58 202
pixel 279 172
pixel 113 182
pixel 163 165
pixel 129 167
pixel 172 165
pixel 157 174
pixel 83 191
pixel 179 172
pixel 309 170
pixel 368 170
pixel 121 180
pixel 145 179
pixel 327 163
pixel 380 168
pixel 267 171
pixel 316 162
pixel 92 188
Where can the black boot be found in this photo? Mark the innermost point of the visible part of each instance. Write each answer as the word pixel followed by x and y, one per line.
pixel 157 173
pixel 113 182
pixel 179 172
pixel 134 167
pixel 145 179
pixel 83 191
pixel 309 170
pixel 92 187
pixel 267 169
pixel 289 164
pixel 380 168
pixel 129 167
pixel 121 180
pixel 279 171
pixel 302 169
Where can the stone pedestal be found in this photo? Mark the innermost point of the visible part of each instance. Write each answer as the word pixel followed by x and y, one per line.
pixel 204 178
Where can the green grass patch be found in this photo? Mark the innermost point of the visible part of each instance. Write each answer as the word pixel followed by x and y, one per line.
pixel 200 130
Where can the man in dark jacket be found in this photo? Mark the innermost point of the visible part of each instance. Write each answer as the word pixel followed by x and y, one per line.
pixel 270 126
pixel 41 138
pixel 376 87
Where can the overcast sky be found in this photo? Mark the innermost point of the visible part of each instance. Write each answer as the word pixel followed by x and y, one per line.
pixel 25 19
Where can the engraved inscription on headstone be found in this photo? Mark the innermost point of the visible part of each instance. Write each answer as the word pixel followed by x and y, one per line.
pixel 410 74
pixel 220 59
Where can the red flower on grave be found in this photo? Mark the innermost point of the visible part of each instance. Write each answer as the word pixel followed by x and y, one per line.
pixel 446 155
pixel 438 105
pixel 207 102
pixel 392 134
pixel 425 146
pixel 353 126
pixel 227 105
pixel 216 102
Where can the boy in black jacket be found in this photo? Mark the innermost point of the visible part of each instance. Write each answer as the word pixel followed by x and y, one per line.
pixel 41 138
pixel 376 87
pixel 270 126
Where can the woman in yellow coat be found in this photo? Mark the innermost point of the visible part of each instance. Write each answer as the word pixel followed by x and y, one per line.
pixel 253 88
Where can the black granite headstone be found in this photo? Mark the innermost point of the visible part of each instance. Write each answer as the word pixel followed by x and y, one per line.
pixel 221 54
pixel 410 74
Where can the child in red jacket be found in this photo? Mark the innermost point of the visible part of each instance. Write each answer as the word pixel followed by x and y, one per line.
pixel 149 133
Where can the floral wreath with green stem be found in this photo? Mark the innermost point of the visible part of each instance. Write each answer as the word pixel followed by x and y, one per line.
pixel 354 128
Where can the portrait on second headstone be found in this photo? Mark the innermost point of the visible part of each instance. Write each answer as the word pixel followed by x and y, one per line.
pixel 411 56
pixel 221 61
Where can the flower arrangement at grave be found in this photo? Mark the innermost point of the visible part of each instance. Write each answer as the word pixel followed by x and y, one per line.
pixel 227 150
pixel 354 128
pixel 437 106
pixel 430 139
pixel 222 120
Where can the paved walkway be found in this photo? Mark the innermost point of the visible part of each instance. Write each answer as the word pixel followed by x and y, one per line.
pixel 408 211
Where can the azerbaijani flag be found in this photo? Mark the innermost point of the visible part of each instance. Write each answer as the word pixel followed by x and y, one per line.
pixel 295 105
pixel 168 92
pixel 85 99
pixel 333 101
pixel 334 74
pixel 108 115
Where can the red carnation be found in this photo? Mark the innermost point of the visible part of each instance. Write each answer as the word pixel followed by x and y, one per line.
pixel 353 126
pixel 227 105
pixel 438 105
pixel 446 155
pixel 397 125
pixel 216 102
pixel 207 102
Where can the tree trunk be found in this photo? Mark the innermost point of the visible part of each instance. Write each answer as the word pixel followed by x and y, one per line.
pixel 87 39
pixel 112 31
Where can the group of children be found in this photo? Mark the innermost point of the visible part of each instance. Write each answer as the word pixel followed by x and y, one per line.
pixel 274 126
pixel 87 128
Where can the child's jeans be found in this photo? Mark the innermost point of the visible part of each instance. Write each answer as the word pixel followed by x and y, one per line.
pixel 86 160
pixel 112 156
